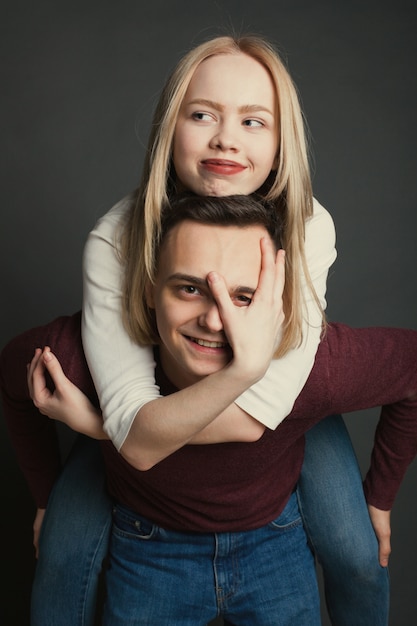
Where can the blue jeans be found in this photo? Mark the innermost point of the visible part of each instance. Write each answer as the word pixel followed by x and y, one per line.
pixel 262 577
pixel 337 522
pixel 74 539
pixel 73 543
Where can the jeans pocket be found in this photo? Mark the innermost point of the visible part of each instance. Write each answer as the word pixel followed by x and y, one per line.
pixel 290 516
pixel 127 524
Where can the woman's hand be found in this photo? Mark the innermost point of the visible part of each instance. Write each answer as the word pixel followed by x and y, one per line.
pixel 381 521
pixel 254 331
pixel 66 403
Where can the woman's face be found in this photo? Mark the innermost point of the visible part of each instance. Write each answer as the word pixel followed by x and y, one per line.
pixel 226 136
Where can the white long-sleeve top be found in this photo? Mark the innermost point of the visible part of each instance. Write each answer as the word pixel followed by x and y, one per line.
pixel 123 371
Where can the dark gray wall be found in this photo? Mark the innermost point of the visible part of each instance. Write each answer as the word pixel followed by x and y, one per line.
pixel 79 80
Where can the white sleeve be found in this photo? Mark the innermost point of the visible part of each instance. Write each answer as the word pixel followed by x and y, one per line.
pixel 272 398
pixel 122 371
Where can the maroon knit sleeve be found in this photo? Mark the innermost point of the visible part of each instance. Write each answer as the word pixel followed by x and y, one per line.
pixel 33 435
pixel 360 368
pixel 395 447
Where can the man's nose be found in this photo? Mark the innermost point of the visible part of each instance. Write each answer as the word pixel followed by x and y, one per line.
pixel 210 318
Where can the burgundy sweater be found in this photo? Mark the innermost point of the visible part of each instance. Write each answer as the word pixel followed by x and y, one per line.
pixel 231 486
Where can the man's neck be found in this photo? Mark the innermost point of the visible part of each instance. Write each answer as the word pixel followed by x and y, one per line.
pixel 173 372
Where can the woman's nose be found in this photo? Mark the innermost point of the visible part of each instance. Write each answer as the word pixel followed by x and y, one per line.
pixel 225 138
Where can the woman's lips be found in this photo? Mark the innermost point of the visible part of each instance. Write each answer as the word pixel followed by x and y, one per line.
pixel 222 166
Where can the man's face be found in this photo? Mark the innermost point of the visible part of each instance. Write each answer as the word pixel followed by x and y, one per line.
pixel 193 342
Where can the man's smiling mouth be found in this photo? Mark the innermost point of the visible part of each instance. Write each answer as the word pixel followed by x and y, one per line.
pixel 209 344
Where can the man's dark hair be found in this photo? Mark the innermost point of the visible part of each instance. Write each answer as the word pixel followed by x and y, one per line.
pixel 237 210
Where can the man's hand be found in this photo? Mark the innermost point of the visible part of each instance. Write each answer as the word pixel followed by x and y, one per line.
pixel 66 403
pixel 381 521
pixel 37 525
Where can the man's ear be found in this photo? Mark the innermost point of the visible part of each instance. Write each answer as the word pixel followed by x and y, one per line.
pixel 149 295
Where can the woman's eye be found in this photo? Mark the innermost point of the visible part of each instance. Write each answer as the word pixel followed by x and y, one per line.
pixel 253 123
pixel 204 117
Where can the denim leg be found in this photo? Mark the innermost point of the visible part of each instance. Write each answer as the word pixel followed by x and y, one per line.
pixel 158 576
pixel 74 542
pixel 339 528
pixel 271 579
pixel 262 577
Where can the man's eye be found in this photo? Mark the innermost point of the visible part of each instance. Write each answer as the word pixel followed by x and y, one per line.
pixel 189 289
pixel 242 300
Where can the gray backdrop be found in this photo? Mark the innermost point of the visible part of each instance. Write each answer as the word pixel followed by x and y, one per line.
pixel 79 81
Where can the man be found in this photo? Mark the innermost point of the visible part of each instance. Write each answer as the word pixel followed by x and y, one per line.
pixel 206 518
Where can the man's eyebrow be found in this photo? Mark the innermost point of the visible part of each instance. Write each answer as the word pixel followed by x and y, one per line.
pixel 196 280
pixel 243 289
pixel 245 108
pixel 189 278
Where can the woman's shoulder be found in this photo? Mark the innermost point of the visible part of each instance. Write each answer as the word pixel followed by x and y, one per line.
pixel 320 224
pixel 320 238
pixel 115 216
pixel 319 212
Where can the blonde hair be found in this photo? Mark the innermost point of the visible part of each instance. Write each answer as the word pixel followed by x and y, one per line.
pixel 289 187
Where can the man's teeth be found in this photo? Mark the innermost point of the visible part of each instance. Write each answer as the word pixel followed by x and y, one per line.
pixel 209 344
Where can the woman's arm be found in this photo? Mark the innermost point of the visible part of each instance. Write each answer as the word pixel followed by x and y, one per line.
pixel 66 403
pixel 122 371
pixel 272 398
pixel 166 424
pixel 157 433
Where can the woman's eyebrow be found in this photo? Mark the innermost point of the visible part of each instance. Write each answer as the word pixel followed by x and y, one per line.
pixel 245 108
pixel 254 108
pixel 205 102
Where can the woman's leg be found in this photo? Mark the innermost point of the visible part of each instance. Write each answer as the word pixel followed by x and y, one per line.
pixel 339 528
pixel 74 542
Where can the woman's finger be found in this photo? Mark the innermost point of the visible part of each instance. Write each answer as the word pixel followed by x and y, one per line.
pixel 39 391
pixel 272 274
pixel 54 368
pixel 219 292
pixel 30 369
